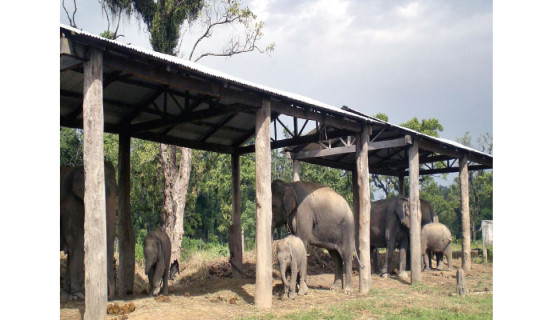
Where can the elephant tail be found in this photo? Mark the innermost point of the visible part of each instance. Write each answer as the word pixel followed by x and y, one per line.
pixel 357 257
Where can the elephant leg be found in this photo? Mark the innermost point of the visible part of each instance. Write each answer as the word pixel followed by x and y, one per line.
pixel 439 258
pixel 375 260
pixel 347 259
pixel 67 282
pixel 151 276
pixel 430 256
pixel 338 275
pixel 165 280
pixel 425 259
pixel 303 276
pixel 77 270
pixel 293 276
pixel 390 247
pixel 403 245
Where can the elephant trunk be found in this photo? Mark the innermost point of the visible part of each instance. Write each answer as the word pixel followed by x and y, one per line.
pixel 283 274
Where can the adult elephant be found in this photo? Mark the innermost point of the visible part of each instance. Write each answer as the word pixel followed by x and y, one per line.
pixel 72 226
pixel 389 227
pixel 428 216
pixel 321 217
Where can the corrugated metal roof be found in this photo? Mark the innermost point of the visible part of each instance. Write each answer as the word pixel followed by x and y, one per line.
pixel 217 74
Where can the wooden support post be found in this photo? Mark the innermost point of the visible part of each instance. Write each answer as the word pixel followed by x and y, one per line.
pixel 362 160
pixel 355 190
pixel 127 239
pixel 414 206
pixel 295 170
pixel 461 288
pixel 235 238
pixel 465 212
pixel 95 225
pixel 401 185
pixel 263 295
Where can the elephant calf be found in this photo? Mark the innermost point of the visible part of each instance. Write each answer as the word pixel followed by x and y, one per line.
pixel 291 253
pixel 436 237
pixel 157 249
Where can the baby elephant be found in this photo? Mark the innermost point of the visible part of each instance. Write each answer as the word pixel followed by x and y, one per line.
pixel 157 249
pixel 291 253
pixel 436 237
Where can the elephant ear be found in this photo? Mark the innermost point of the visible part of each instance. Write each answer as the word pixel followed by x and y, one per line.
pixel 403 212
pixel 290 200
pixel 78 183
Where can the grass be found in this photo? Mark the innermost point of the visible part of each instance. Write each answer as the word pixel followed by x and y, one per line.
pixel 378 306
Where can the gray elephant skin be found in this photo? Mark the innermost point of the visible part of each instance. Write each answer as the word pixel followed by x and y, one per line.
pixel 321 217
pixel 157 249
pixel 389 225
pixel 437 238
pixel 292 256
pixel 388 206
pixel 72 227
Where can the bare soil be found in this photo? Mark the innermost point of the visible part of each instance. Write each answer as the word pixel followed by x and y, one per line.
pixel 211 293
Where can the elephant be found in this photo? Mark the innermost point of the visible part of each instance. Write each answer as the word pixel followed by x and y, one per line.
pixel 72 227
pixel 428 216
pixel 436 237
pixel 157 249
pixel 318 215
pixel 389 227
pixel 291 254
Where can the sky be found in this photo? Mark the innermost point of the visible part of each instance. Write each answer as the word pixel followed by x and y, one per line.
pixel 425 59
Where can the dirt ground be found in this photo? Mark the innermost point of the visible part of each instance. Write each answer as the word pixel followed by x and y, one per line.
pixel 211 293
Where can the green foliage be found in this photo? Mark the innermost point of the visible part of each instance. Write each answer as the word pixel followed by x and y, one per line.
pixel 70 146
pixel 431 127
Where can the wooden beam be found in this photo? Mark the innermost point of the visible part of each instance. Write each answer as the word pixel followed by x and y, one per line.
pixel 187 117
pixel 179 80
pixel 126 237
pixel 234 234
pixel 217 126
pixel 453 169
pixel 453 151
pixel 304 113
pixel 298 140
pixel 351 149
pixel 263 295
pixel 193 144
pixel 362 163
pixel 95 225
pixel 415 216
pixel 465 214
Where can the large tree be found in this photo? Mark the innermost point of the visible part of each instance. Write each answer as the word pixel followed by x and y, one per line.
pixel 164 20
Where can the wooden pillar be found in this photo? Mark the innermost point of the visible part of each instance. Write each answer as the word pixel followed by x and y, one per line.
pixel 95 225
pixel 465 212
pixel 355 190
pixel 235 237
pixel 414 206
pixel 362 161
pixel 263 295
pixel 295 170
pixel 127 239
pixel 401 185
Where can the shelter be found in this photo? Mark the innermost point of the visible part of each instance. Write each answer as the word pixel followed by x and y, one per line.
pixel 112 87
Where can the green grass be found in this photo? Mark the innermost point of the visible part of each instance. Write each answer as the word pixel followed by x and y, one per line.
pixel 400 304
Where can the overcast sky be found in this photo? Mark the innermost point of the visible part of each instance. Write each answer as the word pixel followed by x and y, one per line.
pixel 429 59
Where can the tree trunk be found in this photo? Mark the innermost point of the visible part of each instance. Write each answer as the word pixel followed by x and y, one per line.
pixel 176 183
pixel 363 193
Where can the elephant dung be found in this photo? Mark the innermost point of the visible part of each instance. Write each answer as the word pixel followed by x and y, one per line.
pixel 115 308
